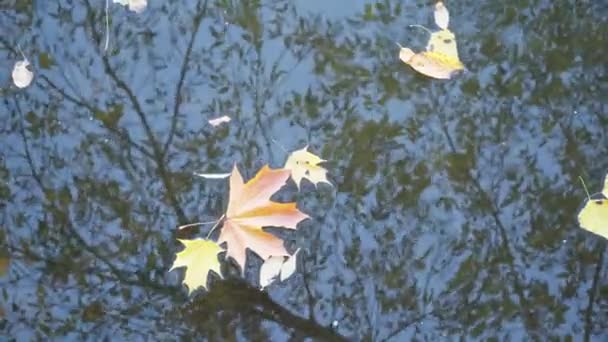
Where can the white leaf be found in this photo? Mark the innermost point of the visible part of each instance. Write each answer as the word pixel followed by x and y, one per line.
pixel 290 265
pixel 218 121
pixel 136 6
pixel 212 175
pixel 442 16
pixel 270 270
pixel 22 77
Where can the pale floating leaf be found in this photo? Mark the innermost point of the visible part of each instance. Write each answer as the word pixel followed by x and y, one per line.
pixel 436 65
pixel 218 121
pixel 442 16
pixel 22 76
pixel 213 175
pixel 594 215
pixel 405 54
pixel 289 266
pixel 270 270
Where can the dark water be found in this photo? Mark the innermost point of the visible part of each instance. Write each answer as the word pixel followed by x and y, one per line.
pixel 453 214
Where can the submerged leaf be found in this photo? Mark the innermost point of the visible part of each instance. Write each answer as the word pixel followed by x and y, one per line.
pixel 594 215
pixel 199 257
pixel 250 209
pixel 304 164
pixel 218 121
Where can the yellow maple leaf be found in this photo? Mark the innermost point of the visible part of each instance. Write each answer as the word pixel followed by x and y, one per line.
pixel 304 164
pixel 250 209
pixel 199 257
pixel 594 215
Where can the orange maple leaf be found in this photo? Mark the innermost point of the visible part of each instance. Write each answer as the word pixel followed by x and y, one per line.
pixel 250 209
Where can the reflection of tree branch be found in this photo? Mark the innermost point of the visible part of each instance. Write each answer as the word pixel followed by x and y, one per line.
pixel 237 296
pixel 406 325
pixel 311 298
pixel 156 148
pixel 28 155
pixel 593 291
pixel 92 109
pixel 524 311
pixel 182 75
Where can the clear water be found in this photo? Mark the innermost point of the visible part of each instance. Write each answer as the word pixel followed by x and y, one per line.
pixel 453 211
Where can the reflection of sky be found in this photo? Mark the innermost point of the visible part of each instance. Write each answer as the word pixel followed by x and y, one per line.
pixel 347 256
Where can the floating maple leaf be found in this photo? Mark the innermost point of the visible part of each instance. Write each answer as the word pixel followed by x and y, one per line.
pixel 304 164
pixel 199 257
pixel 250 209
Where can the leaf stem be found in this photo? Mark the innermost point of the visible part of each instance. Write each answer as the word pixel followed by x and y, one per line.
pixel 216 225
pixel 196 224
pixel 585 187
pixel 422 27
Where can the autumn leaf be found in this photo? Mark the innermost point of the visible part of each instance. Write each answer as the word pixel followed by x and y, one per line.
pixel 594 215
pixel 250 209
pixel 304 164
pixel 440 60
pixel 199 257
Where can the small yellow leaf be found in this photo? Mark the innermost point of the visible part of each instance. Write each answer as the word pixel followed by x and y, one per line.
pixel 304 164
pixel 594 215
pixel 199 257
